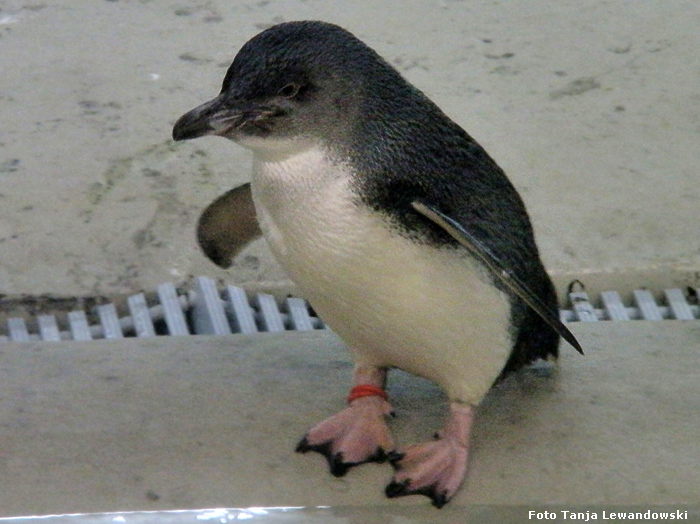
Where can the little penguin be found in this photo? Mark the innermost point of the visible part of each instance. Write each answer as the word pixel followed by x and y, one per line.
pixel 402 232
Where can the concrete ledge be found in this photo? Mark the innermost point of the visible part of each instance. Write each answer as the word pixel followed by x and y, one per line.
pixel 195 422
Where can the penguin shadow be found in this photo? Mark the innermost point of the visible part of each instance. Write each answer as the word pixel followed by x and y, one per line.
pixel 510 402
pixel 513 425
pixel 421 406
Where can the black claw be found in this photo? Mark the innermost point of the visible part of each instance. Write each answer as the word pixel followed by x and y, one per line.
pixel 439 500
pixel 303 446
pixel 397 489
pixel 400 489
pixel 338 468
pixel 380 456
pixel 394 457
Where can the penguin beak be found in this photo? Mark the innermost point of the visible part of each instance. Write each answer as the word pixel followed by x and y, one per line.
pixel 219 117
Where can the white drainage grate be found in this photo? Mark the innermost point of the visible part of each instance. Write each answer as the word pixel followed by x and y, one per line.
pixel 208 311
pixel 202 311
pixel 644 307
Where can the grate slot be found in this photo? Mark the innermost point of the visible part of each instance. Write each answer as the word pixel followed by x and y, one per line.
pixel 239 311
pixel 270 316
pixel 143 324
pixel 647 305
pixel 582 307
pixel 110 321
pixel 17 329
pixel 79 327
pixel 172 310
pixel 614 307
pixel 680 309
pixel 48 328
pixel 207 309
pixel 299 314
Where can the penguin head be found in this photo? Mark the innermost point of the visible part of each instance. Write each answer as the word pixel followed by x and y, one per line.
pixel 295 83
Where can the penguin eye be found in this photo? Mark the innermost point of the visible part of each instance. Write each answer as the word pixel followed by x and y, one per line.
pixel 289 91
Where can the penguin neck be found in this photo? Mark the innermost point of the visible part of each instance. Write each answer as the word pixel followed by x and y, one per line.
pixel 296 172
pixel 274 150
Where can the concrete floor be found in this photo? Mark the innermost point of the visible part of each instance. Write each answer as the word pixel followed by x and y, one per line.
pixel 592 108
pixel 204 422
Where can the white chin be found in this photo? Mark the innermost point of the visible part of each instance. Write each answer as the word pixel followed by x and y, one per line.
pixel 272 145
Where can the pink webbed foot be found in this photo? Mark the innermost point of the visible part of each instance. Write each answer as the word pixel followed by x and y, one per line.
pixel 435 469
pixel 357 435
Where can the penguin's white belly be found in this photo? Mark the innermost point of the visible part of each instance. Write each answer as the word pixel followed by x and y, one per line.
pixel 397 303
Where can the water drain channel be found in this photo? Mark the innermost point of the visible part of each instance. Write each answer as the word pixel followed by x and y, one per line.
pixel 209 310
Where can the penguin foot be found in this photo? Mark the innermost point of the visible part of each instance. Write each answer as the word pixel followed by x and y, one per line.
pixel 435 469
pixel 356 435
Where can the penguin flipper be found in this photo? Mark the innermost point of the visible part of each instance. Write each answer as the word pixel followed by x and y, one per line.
pixel 497 268
pixel 227 225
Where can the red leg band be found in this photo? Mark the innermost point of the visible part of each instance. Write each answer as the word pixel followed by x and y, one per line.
pixel 366 390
